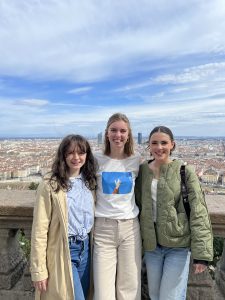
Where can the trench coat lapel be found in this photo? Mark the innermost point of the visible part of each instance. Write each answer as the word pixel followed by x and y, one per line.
pixel 61 207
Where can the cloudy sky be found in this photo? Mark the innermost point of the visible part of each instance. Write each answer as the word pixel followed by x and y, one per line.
pixel 66 66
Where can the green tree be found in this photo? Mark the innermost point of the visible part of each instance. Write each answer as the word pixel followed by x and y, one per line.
pixel 33 186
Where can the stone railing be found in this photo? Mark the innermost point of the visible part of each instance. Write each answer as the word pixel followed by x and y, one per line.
pixel 202 286
pixel 16 212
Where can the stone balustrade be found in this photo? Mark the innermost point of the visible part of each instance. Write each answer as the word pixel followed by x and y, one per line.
pixel 16 212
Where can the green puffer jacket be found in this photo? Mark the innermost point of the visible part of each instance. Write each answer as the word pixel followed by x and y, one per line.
pixel 172 228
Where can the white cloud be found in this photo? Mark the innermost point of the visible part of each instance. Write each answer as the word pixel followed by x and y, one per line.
pixel 87 40
pixel 90 121
pixel 32 102
pixel 168 55
pixel 192 74
pixel 80 90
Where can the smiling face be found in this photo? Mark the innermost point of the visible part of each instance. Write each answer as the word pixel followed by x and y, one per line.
pixel 160 146
pixel 75 159
pixel 118 134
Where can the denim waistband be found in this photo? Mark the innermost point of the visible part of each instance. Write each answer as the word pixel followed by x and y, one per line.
pixel 76 238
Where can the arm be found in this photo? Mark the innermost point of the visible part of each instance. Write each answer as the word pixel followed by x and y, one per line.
pixel 39 236
pixel 200 225
pixel 137 189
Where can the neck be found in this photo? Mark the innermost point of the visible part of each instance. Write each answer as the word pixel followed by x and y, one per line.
pixel 157 163
pixel 74 173
pixel 117 154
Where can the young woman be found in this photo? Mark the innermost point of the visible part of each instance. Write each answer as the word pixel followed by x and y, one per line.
pixel 117 242
pixel 168 237
pixel 63 218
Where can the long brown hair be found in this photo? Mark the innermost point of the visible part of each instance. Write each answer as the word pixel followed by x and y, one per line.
pixel 60 170
pixel 129 146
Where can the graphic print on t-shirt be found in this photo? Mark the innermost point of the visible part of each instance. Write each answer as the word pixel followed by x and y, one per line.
pixel 117 182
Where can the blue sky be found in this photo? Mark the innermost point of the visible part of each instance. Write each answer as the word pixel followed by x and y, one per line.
pixel 66 66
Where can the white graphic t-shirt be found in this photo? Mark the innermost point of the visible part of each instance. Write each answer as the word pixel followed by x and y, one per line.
pixel 115 193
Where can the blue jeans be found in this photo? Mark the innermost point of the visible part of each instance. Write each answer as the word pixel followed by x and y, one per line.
pixel 167 271
pixel 80 259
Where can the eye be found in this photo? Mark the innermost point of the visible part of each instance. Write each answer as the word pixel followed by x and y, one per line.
pixel 123 131
pixel 113 129
pixel 164 143
pixel 81 153
pixel 154 143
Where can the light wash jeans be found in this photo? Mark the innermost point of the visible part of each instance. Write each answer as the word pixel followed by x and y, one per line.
pixel 167 271
pixel 80 259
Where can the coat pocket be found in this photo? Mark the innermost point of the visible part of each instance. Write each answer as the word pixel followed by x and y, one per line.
pixel 177 224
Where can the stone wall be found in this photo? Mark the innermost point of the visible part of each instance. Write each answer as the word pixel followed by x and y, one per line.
pixel 16 210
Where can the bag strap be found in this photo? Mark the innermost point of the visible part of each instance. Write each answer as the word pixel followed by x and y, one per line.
pixel 184 191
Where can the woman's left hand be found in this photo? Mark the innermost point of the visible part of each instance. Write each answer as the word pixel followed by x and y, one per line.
pixel 199 268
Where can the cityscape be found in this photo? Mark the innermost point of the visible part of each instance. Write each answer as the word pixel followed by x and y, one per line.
pixel 23 161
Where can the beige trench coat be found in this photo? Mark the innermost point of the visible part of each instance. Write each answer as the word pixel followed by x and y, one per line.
pixel 50 255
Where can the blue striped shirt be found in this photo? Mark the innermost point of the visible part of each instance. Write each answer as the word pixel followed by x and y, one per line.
pixel 80 208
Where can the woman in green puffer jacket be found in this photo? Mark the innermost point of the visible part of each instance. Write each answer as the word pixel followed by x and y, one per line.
pixel 168 236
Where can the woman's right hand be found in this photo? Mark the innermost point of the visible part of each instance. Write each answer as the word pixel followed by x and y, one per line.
pixel 41 285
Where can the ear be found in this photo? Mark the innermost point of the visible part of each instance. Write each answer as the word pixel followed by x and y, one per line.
pixel 173 145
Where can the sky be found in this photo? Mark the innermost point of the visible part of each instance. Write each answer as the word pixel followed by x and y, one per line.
pixel 66 66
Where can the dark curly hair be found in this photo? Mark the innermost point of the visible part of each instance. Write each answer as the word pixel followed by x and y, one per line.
pixel 60 170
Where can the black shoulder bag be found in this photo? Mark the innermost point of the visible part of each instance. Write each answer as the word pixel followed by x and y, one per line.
pixel 184 191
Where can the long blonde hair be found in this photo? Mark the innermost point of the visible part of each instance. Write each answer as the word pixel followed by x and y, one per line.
pixel 129 146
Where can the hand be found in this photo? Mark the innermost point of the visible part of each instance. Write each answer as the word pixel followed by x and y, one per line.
pixel 199 268
pixel 41 285
pixel 117 183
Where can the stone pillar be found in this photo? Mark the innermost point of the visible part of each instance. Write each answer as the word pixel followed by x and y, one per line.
pixel 200 286
pixel 16 212
pixel 220 276
pixel 13 268
pixel 13 261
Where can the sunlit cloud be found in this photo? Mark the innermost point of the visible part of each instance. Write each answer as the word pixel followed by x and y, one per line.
pixel 68 65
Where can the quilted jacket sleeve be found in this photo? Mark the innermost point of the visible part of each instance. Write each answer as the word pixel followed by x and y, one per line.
pixel 200 225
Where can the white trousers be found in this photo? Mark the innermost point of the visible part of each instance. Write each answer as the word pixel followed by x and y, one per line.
pixel 117 259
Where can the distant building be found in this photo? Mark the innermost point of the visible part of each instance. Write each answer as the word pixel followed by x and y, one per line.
pixel 210 176
pixel 99 138
pixel 139 138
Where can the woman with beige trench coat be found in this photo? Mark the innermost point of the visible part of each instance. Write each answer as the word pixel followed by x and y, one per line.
pixel 63 218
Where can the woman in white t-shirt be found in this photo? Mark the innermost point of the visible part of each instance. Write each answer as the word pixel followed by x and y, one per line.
pixel 117 241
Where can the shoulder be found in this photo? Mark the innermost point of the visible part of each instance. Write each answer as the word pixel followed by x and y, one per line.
pixel 175 165
pixel 99 156
pixel 48 183
pixel 134 157
pixel 144 166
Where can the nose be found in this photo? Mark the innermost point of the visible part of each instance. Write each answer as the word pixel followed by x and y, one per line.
pixel 159 145
pixel 117 133
pixel 75 155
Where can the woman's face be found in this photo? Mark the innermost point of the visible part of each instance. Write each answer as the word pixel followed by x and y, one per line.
pixel 75 159
pixel 160 146
pixel 118 134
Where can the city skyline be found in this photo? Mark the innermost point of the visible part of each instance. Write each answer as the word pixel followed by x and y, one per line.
pixel 65 67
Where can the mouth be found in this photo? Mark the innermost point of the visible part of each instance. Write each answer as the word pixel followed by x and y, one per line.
pixel 159 153
pixel 75 163
pixel 118 141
